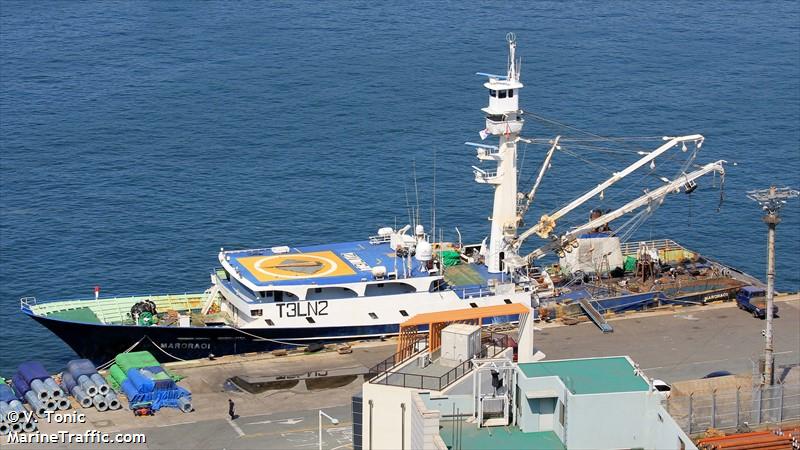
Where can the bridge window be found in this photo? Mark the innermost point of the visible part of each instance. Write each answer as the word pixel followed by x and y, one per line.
pixel 502 94
pixel 330 293
pixel 388 289
pixel 256 312
pixel 279 296
pixel 510 93
pixel 492 93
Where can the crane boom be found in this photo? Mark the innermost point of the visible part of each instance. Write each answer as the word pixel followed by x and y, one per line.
pixel 547 223
pixel 532 194
pixel 660 193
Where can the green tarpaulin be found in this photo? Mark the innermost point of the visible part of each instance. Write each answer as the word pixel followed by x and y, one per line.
pixel 630 264
pixel 450 258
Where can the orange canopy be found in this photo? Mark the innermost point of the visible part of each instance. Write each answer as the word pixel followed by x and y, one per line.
pixel 437 321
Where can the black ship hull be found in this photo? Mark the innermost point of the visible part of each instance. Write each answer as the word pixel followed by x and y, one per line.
pixel 101 343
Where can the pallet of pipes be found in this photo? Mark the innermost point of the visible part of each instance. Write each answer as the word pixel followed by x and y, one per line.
pixel 34 385
pixel 87 386
pixel 20 420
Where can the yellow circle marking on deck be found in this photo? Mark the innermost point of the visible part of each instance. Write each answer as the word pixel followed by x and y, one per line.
pixel 295 266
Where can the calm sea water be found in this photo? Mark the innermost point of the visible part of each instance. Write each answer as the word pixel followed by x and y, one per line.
pixel 139 137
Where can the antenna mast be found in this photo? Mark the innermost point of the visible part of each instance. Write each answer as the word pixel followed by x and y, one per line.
pixel 771 201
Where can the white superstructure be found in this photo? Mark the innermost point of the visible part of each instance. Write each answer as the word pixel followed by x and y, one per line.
pixel 504 120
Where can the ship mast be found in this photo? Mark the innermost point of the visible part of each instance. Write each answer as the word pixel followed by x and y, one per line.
pixel 504 120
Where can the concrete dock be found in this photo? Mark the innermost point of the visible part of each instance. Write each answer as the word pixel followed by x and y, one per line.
pixel 673 345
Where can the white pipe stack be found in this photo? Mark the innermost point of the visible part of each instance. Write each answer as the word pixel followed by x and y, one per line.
pixel 87 385
pixel 53 388
pixel 4 410
pixel 4 427
pixel 113 401
pixel 40 390
pixel 185 404
pixel 100 403
pixel 102 386
pixel 15 426
pixel 36 405
pixel 63 404
pixel 23 423
pixel 82 397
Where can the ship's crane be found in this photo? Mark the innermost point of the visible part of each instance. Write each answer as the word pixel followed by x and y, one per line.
pixel 657 195
pixel 528 198
pixel 547 223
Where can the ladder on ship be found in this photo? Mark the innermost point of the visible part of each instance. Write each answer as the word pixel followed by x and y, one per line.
pixel 595 315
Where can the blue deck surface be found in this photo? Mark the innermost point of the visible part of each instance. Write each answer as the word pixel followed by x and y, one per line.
pixel 372 255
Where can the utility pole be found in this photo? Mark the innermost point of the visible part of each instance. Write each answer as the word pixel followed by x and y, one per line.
pixel 771 201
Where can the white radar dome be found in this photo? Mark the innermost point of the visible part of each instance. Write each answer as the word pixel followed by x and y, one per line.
pixel 420 230
pixel 385 231
pixel 424 251
pixel 379 272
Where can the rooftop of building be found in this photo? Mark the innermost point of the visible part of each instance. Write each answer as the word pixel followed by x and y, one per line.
pixel 590 375
pixel 499 438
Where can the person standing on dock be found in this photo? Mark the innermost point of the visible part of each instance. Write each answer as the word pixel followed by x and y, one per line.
pixel 232 410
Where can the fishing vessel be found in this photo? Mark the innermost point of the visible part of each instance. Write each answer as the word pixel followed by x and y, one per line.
pixel 284 295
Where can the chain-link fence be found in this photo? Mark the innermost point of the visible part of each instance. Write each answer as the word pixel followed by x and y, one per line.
pixel 736 408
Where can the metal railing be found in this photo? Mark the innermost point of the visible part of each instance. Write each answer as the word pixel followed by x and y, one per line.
pixel 734 409
pixel 477 292
pixel 378 239
pixel 494 344
pixel 419 345
pixel 630 248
